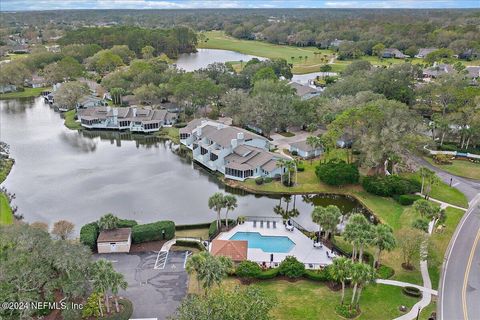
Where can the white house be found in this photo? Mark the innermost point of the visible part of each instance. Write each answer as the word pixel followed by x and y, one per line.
pixel 304 150
pixel 134 119
pixel 237 153
pixel 304 92
pixel 116 240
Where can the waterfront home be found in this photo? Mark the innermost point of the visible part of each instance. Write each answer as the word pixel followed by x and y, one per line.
pixel 304 150
pixel 235 152
pixel 5 88
pixel 423 52
pixel 134 119
pixel 303 91
pixel 116 240
pixel 36 82
pixel 393 53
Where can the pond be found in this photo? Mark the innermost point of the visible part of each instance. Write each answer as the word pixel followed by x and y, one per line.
pixel 204 57
pixel 79 176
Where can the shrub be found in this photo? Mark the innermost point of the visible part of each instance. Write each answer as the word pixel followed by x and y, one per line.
pixel 385 272
pixel 125 223
pixel 268 274
pixel 191 244
pixel 318 275
pixel 442 159
pixel 301 167
pixel 421 224
pixel 89 234
pixel 337 173
pixel 387 186
pixel 259 180
pixel 412 291
pixel 153 231
pixel 267 180
pixel 180 125
pixel 344 310
pixel 407 199
pixel 294 153
pixel 248 269
pixel 291 268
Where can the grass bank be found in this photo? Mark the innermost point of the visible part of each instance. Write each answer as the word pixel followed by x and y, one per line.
pixel 462 168
pixel 171 133
pixel 6 215
pixel 27 93
pixel 7 167
pixel 70 121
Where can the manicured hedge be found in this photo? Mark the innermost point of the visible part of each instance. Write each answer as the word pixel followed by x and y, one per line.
pixel 89 234
pixel 212 230
pixel 248 269
pixel 268 274
pixel 337 173
pixel 191 244
pixel 412 292
pixel 407 199
pixel 125 223
pixel 153 231
pixel 387 186
pixel 192 226
pixel 318 275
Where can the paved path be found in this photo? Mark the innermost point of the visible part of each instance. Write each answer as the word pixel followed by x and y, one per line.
pixel 443 205
pixel 459 291
pixel 406 284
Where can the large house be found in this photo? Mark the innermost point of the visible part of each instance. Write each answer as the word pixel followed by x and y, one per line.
pixel 134 119
pixel 423 52
pixel 237 153
pixel 393 53
pixel 304 150
pixel 303 91
pixel 437 70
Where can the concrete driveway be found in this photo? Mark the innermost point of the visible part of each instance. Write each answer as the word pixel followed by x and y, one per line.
pixel 154 293
pixel 282 142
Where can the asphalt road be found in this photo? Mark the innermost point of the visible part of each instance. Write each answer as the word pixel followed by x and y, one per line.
pixel 459 291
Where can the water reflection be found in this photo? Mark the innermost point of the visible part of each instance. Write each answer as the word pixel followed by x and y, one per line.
pixel 78 142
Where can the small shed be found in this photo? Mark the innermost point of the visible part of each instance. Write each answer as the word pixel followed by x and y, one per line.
pixel 116 240
pixel 234 249
pixel 304 150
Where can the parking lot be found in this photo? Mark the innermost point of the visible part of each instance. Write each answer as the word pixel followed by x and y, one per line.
pixel 155 293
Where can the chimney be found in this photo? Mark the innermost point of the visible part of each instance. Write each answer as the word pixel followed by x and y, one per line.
pixel 134 110
pixel 234 143
pixel 240 136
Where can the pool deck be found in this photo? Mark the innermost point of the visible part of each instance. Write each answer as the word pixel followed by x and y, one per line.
pixel 303 250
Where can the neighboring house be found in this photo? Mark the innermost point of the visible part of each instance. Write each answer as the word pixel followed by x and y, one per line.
pixel 393 53
pixel 7 88
pixel 134 119
pixel 90 102
pixel 55 48
pixel 304 150
pixel 234 249
pixel 437 70
pixel 303 91
pixel 37 82
pixel 422 53
pixel 116 240
pixel 336 43
pixel 469 54
pixel 473 72
pixel 345 141
pixel 237 153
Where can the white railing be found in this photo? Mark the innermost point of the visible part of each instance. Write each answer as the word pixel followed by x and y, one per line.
pixel 453 153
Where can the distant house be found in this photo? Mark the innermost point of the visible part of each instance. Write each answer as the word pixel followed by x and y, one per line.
pixel 345 141
pixel 473 72
pixel 336 43
pixel 423 52
pixel 90 102
pixel 393 53
pixel 235 152
pixel 469 54
pixel 55 48
pixel 20 49
pixel 135 119
pixel 304 92
pixel 304 150
pixel 116 240
pixel 7 88
pixel 37 82
pixel 233 249
pixel 437 70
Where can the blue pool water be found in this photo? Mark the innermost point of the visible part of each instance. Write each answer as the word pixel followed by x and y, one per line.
pixel 265 243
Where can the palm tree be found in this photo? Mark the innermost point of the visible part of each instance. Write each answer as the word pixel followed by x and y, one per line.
pixel 103 275
pixel 281 163
pixel 383 239
pixel 195 264
pixel 361 275
pixel 429 179
pixel 209 269
pixel 358 232
pixel 217 203
pixel 230 205
pixel 314 142
pixel 118 282
pixel 327 218
pixel 423 207
pixel 108 222
pixel 340 272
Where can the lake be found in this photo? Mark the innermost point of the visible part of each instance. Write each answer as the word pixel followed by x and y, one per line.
pixel 79 176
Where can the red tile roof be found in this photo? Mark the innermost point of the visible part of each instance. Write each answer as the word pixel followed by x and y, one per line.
pixel 234 249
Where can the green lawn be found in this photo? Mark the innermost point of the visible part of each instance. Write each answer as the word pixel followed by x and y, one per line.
pixel 171 133
pixel 6 216
pixel 70 121
pixel 307 300
pixel 199 233
pixel 296 55
pixel 6 169
pixel 27 93
pixel 460 168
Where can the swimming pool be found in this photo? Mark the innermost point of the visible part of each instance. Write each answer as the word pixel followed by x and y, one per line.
pixel 272 244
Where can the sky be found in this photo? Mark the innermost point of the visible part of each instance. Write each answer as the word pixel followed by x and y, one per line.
pixel 25 5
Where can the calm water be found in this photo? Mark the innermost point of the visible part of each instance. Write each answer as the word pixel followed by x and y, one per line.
pixel 204 57
pixel 64 174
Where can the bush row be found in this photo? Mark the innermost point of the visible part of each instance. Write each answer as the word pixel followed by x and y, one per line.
pixel 337 173
pixel 191 244
pixel 161 230
pixel 388 186
pixel 212 230
pixel 406 199
pixel 412 292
